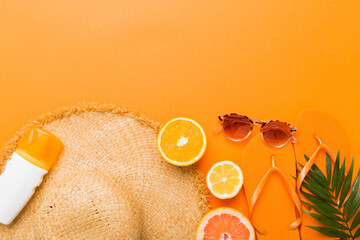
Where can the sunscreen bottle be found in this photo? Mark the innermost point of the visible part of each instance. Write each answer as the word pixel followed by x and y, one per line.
pixel 37 151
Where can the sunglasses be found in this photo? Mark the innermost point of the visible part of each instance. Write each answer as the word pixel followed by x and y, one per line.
pixel 274 133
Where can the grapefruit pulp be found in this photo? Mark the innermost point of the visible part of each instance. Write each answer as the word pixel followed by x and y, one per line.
pixel 225 224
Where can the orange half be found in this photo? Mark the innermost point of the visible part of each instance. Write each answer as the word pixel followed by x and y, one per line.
pixel 181 141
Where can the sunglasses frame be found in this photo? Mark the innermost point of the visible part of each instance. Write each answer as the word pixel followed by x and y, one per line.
pixel 261 124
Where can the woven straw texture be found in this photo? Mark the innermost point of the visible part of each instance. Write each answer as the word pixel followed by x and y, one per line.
pixel 110 182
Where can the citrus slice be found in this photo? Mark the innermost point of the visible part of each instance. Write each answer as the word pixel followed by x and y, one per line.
pixel 225 179
pixel 225 224
pixel 181 141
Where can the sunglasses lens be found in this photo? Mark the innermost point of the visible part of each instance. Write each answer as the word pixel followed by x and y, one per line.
pixel 276 134
pixel 237 127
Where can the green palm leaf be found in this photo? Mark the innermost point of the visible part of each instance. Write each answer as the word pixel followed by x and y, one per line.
pixel 320 192
pixel 325 220
pixel 321 203
pixel 316 174
pixel 317 171
pixel 334 198
pixel 354 190
pixel 354 206
pixel 331 232
pixel 357 234
pixel 340 179
pixel 355 222
pixel 335 172
pixel 325 213
pixel 347 183
pixel 313 182
pixel 328 168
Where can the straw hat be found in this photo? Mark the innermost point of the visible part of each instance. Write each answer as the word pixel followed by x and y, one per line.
pixel 109 182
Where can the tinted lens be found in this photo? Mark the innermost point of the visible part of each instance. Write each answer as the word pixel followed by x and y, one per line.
pixel 237 127
pixel 276 134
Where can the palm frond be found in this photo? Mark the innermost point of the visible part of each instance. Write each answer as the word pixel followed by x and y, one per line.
pixel 334 198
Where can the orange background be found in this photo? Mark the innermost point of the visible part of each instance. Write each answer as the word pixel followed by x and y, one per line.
pixel 266 59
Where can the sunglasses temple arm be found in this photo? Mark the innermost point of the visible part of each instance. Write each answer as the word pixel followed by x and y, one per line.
pixel 293 139
pixel 218 129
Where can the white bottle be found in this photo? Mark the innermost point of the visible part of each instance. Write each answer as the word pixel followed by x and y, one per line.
pixel 36 153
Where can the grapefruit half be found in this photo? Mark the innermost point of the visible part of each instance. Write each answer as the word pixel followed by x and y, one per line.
pixel 225 224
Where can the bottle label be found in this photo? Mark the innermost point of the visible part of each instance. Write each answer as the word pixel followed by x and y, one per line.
pixel 17 185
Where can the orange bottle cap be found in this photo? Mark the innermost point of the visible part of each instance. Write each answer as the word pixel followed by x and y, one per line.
pixel 40 147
